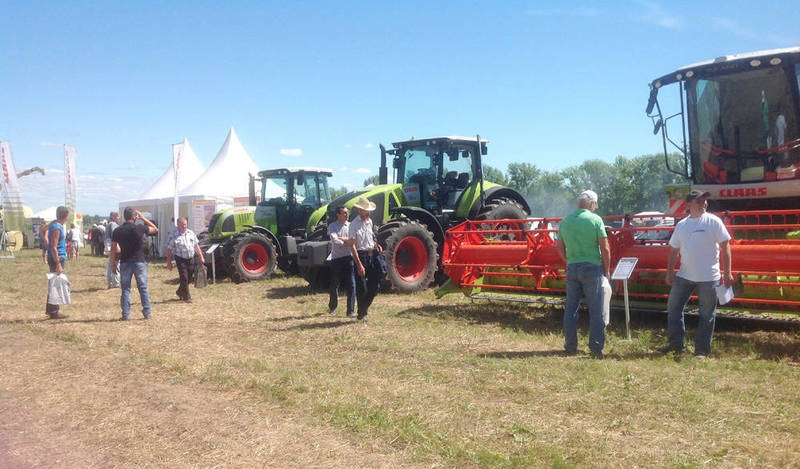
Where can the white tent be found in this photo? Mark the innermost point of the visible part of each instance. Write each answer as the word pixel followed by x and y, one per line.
pixel 225 179
pixel 48 214
pixel 227 176
pixel 190 170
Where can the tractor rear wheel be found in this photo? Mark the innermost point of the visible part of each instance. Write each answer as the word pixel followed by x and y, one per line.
pixel 249 256
pixel 411 255
pixel 503 209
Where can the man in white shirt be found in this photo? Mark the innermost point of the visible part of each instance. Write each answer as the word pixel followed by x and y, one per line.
pixel 699 240
pixel 367 257
pixel 342 266
pixel 184 245
pixel 112 278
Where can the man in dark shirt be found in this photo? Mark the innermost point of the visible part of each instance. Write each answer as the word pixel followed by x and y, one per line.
pixel 127 245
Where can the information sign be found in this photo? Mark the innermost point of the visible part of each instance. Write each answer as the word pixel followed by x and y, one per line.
pixel 624 268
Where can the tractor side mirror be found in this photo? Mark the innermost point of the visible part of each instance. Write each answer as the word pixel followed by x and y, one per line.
pixel 484 149
pixel 657 126
pixel 651 102
pixel 396 163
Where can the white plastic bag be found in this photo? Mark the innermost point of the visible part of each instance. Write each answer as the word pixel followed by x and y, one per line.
pixel 606 300
pixel 57 289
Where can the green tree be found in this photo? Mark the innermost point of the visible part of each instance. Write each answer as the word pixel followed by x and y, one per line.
pixel 371 180
pixel 523 176
pixel 495 175
pixel 336 193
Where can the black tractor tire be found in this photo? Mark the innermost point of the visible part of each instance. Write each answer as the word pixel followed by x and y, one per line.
pixel 318 277
pixel 411 255
pixel 249 256
pixel 503 209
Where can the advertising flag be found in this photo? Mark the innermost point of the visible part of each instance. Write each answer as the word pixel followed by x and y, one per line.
pixel 177 152
pixel 13 214
pixel 70 181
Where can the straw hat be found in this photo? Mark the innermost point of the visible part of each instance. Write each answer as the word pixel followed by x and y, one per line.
pixel 365 204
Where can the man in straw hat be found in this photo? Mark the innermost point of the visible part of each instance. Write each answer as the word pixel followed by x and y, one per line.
pixel 583 245
pixel 368 257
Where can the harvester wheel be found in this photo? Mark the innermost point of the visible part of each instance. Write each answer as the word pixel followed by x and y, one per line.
pixel 411 256
pixel 500 209
pixel 249 256
pixel 318 278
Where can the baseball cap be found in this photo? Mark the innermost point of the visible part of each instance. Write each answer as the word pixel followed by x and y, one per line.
pixel 697 193
pixel 588 195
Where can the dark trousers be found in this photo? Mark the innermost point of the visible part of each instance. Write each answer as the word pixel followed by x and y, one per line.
pixel 50 309
pixel 185 269
pixel 343 271
pixel 367 286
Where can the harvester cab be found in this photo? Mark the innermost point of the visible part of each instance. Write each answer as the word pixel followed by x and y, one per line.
pixel 736 127
pixel 264 234
pixel 438 182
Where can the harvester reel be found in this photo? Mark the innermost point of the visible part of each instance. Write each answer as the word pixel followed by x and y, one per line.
pixel 411 255
pixel 500 209
pixel 249 256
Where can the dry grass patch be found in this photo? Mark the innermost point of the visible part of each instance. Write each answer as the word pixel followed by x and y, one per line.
pixel 434 383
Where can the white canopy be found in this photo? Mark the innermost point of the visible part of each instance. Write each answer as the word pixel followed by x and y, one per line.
pixel 190 170
pixel 227 176
pixel 47 214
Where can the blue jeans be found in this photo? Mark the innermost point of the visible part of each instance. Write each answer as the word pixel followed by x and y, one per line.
pixel 707 301
pixel 138 270
pixel 584 279
pixel 343 269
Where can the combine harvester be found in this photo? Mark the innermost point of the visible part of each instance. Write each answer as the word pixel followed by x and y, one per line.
pixel 740 114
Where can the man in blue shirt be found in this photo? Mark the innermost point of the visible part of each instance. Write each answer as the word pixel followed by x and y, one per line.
pixel 57 254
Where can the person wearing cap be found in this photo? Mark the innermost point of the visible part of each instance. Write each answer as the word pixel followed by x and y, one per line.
pixel 583 246
pixel 367 255
pixel 699 240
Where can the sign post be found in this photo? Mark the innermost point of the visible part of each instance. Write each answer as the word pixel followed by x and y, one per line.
pixel 623 272
pixel 211 250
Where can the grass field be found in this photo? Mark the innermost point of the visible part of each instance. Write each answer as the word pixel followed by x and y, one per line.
pixel 258 375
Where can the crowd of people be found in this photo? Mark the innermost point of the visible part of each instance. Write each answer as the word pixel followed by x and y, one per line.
pixel 700 241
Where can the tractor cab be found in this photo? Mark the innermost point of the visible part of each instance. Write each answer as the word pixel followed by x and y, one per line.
pixel 289 196
pixel 435 172
pixel 737 125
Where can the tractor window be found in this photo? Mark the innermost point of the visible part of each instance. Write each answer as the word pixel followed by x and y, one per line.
pixel 324 192
pixel 306 192
pixel 274 188
pixel 738 120
pixel 419 165
pixel 452 169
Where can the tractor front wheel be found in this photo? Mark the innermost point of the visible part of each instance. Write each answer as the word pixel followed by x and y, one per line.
pixel 249 256
pixel 411 256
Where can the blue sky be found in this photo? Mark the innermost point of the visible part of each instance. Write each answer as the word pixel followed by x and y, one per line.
pixel 550 83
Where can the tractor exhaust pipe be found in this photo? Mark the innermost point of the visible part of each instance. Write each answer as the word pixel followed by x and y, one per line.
pixel 251 190
pixel 383 173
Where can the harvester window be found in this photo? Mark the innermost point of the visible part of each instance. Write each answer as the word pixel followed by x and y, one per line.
pixel 737 123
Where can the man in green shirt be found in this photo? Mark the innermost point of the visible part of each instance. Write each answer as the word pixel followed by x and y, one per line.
pixel 583 245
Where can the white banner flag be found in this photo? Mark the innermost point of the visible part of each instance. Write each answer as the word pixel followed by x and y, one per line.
pixel 13 214
pixel 70 182
pixel 177 153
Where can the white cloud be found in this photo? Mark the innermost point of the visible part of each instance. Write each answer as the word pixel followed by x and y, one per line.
pixel 368 145
pixel 656 14
pixel 343 169
pixel 291 152
pixel 363 170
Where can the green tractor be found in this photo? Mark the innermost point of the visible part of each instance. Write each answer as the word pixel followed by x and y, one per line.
pixel 438 183
pixel 256 238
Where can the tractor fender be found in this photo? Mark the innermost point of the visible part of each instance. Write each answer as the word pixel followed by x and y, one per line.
pixel 426 218
pixel 269 234
pixel 497 192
